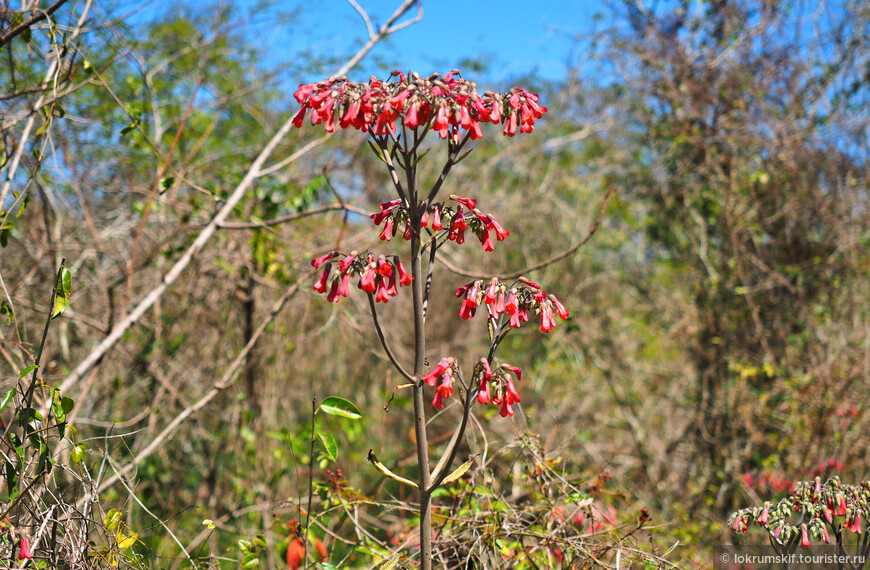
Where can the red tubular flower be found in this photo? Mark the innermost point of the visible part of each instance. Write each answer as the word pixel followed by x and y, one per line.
pixel 762 518
pixel 424 219
pixel 516 370
pixel 351 114
pixel 441 125
pixel 495 115
pixel 469 305
pixel 382 296
pixel 299 117
pixel 407 234
pixel 436 372
pixel 483 392
pixel 805 539
pixel 457 229
pixel 391 285
pixel 506 409
pixel 367 283
pixel 524 314
pixel 467 310
pixel 344 287
pixel 511 305
pixel 320 286
pixel 510 126
pixel 842 510
pixel 412 120
pixel 318 261
pixel 436 218
pixel 735 526
pixel 500 232
pixel 515 321
pixel 499 303
pixel 826 536
pixel 828 515
pixel 384 267
pixel 486 241
pixel 469 203
pixel 855 525
pixel 491 292
pixel 346 262
pixel 332 297
pixel 303 92
pixel 404 278
pixel 560 308
pixel 444 390
pixel 24 550
pixel 548 323
pixel 388 231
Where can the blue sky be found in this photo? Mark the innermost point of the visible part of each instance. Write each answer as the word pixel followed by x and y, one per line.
pixel 512 37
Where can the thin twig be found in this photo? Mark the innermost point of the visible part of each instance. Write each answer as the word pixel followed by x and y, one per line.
pixel 390 355
pixel 38 17
pixel 559 257
pixel 310 479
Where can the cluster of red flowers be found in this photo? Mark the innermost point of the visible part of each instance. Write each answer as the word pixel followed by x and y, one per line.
pixel 831 505
pixel 768 482
pixel 377 275
pixel 445 104
pixel 494 386
pixel 497 387
pixel 455 221
pixel 516 301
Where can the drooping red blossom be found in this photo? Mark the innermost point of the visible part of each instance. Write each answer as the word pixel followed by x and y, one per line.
pixel 436 372
pixel 444 390
pixel 404 278
pixel 24 550
pixel 805 539
pixel 320 285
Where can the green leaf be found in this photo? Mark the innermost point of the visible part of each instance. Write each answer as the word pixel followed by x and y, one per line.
pixel 7 397
pixel 27 371
pixel 61 299
pixel 383 469
pixel 66 281
pixel 125 542
pixel 166 183
pixel 251 561
pixel 113 519
pixel 77 453
pixel 336 406
pixel 460 471
pixel 131 127
pixel 67 404
pixel 329 444
pixel 6 309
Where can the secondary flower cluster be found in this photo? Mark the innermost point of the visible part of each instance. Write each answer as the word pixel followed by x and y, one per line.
pixel 494 386
pixel 455 221
pixel 445 104
pixel 517 301
pixel 820 507
pixel 377 275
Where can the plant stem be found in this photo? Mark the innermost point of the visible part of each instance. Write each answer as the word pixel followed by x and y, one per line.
pixel 425 479
pixel 310 481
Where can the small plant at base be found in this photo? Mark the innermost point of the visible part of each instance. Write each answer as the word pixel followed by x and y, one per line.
pixel 397 114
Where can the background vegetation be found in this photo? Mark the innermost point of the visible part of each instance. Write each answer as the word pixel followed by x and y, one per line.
pixel 717 349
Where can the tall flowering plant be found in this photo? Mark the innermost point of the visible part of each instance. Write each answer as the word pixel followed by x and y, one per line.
pixel 397 115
